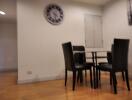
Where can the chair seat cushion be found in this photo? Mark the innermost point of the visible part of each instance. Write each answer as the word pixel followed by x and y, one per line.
pixel 101 63
pixel 105 67
pixel 88 65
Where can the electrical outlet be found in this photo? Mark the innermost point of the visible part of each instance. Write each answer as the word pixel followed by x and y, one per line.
pixel 29 72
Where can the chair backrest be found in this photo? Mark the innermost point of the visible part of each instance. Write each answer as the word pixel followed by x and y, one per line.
pixel 109 57
pixel 79 57
pixel 78 48
pixel 120 54
pixel 68 55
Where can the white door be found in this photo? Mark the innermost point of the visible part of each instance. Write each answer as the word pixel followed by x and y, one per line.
pixel 93 31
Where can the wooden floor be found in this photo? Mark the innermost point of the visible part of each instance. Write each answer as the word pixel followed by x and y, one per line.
pixel 55 90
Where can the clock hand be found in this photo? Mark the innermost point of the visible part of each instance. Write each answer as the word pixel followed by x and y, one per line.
pixel 55 15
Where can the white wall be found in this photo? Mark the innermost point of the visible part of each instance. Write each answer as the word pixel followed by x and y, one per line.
pixel 40 55
pixel 8 46
pixel 115 25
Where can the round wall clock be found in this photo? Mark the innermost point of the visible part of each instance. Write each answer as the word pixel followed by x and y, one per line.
pixel 54 14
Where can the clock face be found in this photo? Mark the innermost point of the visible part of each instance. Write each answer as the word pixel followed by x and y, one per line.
pixel 54 14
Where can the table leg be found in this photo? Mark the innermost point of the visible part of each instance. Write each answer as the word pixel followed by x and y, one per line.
pixel 94 69
pixel 94 79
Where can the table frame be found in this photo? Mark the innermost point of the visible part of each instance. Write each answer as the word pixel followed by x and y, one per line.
pixel 94 60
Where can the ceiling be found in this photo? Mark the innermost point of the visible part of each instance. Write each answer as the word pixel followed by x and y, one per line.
pixel 95 2
pixel 9 7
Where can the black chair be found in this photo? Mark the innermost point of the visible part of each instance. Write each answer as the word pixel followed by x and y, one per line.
pixel 109 61
pixel 119 62
pixel 70 64
pixel 109 58
pixel 80 57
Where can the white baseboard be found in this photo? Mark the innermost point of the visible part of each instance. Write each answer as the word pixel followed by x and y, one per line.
pixel 47 79
pixel 8 70
pixel 39 80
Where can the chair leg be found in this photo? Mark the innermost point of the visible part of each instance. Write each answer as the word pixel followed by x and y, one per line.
pixel 91 78
pixel 127 80
pixel 100 78
pixel 78 77
pixel 114 83
pixel 123 77
pixel 115 80
pixel 85 74
pixel 65 76
pixel 99 74
pixel 81 76
pixel 94 77
pixel 110 78
pixel 97 78
pixel 74 80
